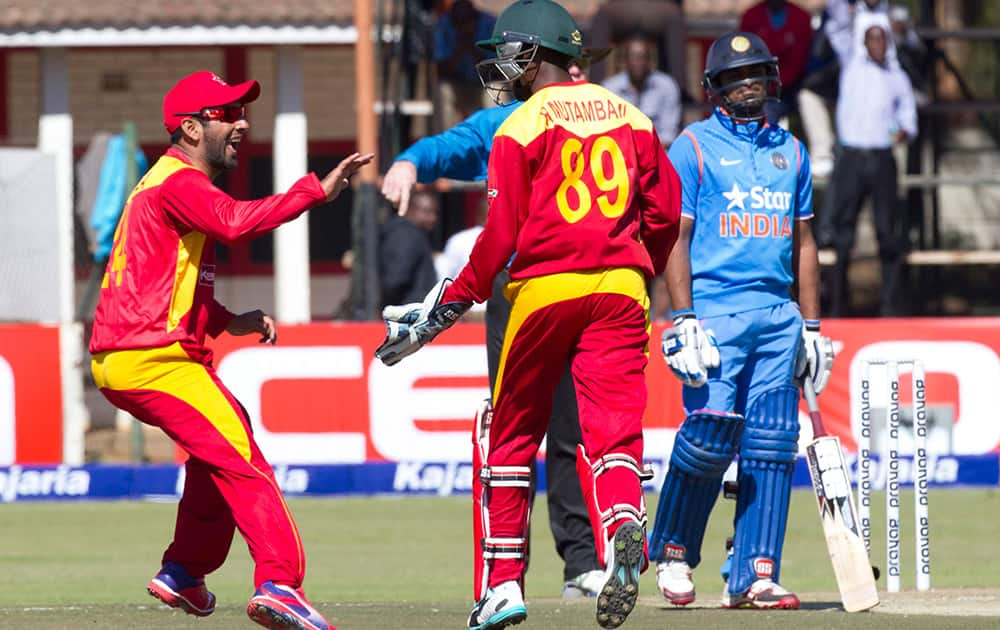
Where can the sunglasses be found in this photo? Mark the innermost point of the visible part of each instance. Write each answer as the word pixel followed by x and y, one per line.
pixel 225 113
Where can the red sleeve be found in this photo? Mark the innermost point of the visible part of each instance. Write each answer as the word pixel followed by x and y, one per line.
pixel 190 198
pixel 218 318
pixel 660 196
pixel 507 185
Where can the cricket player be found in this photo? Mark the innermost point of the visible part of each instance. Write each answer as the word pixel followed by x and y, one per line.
pixel 579 185
pixel 462 152
pixel 744 284
pixel 155 309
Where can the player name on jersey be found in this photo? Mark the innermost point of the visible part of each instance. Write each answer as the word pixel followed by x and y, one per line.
pixel 754 225
pixel 582 111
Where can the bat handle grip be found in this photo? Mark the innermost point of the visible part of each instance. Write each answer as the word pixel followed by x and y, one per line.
pixel 813 405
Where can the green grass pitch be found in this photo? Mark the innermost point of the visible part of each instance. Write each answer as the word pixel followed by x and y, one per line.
pixel 398 563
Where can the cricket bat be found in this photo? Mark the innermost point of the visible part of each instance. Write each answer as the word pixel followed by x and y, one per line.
pixel 838 514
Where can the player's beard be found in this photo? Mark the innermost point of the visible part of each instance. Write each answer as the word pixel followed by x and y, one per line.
pixel 217 152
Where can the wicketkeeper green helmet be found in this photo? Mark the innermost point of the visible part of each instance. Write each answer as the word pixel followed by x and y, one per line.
pixel 521 29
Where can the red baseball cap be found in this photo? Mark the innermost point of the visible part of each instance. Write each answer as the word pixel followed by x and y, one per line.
pixel 203 89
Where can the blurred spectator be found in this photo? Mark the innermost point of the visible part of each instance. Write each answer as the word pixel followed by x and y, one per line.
pixel 406 261
pixel 875 109
pixel 455 54
pixel 817 94
pixel 910 50
pixel 457 248
pixel 839 35
pixel 787 31
pixel 660 21
pixel 839 18
pixel 580 68
pixel 841 24
pixel 655 93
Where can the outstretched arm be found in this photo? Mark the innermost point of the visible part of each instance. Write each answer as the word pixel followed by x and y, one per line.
pixel 190 198
pixel 461 153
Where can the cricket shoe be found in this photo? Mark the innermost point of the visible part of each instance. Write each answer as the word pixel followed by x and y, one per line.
pixel 584 585
pixel 621 586
pixel 763 594
pixel 281 607
pixel 503 606
pixel 175 588
pixel 673 578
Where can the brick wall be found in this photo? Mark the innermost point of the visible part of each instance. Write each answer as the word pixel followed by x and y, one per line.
pixel 149 73
pixel 141 77
pixel 22 97
pixel 329 92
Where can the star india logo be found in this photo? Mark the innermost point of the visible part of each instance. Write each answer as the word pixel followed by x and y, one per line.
pixel 735 197
pixel 761 197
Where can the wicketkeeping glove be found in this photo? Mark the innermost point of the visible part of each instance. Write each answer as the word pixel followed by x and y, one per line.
pixel 410 326
pixel 689 350
pixel 815 359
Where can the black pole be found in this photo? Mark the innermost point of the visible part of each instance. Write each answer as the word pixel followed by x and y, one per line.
pixel 365 298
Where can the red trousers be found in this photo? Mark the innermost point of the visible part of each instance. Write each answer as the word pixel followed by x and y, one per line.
pixel 228 483
pixel 598 321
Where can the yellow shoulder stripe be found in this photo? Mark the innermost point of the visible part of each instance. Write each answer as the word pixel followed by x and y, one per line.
pixel 164 168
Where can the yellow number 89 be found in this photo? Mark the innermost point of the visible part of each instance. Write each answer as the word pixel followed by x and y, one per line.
pixel 573 166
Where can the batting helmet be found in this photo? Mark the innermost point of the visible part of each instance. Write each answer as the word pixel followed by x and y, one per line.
pixel 742 50
pixel 520 31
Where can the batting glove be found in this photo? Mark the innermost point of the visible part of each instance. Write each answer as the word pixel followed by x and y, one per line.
pixel 411 326
pixel 815 359
pixel 689 350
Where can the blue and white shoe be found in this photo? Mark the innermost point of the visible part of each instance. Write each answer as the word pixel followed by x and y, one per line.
pixel 281 607
pixel 621 587
pixel 175 588
pixel 503 606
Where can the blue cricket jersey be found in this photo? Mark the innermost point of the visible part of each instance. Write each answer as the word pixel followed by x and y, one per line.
pixel 461 152
pixel 744 185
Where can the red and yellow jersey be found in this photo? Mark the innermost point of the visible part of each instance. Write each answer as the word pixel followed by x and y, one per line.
pixel 577 181
pixel 159 285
